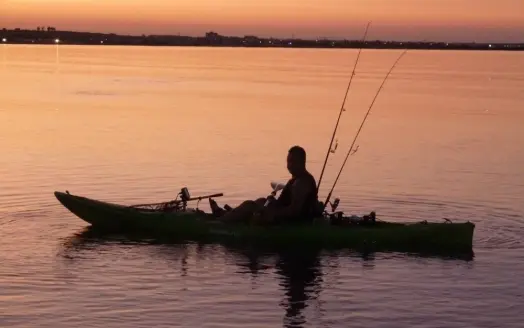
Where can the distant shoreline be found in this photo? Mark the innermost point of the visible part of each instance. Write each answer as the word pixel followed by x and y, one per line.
pixel 211 39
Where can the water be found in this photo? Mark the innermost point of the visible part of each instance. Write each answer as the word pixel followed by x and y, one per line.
pixel 135 125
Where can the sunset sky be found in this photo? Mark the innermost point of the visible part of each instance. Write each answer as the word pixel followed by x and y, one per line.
pixel 443 20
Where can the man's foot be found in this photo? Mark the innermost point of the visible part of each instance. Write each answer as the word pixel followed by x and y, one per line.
pixel 215 209
pixel 371 217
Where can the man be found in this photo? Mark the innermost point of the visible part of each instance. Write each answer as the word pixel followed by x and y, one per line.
pixel 298 201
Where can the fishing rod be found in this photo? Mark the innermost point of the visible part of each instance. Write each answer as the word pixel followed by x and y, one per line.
pixel 330 148
pixel 350 151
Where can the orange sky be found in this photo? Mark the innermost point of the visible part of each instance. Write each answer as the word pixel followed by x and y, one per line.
pixel 453 20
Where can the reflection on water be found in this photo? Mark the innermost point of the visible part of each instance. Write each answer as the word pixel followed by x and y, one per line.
pixel 301 278
pixel 299 271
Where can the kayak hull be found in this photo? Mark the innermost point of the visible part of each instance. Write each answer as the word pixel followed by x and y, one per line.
pixel 198 226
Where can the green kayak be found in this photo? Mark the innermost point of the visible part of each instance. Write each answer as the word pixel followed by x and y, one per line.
pixel 175 220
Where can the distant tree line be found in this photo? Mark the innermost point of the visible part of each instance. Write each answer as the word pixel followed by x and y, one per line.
pixel 48 35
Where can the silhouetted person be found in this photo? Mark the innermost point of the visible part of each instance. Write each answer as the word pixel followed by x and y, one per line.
pixel 298 201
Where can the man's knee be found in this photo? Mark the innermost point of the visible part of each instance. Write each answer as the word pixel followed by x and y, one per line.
pixel 260 201
pixel 247 203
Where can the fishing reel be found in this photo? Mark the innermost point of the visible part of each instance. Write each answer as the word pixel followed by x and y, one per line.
pixel 334 205
pixel 184 194
pixel 333 214
pixel 185 197
pixel 334 217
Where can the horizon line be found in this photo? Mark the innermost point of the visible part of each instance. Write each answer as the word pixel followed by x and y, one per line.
pixel 255 36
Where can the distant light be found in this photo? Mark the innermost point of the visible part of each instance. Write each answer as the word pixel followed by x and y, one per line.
pixel 101 42
pixel 4 40
pixel 57 41
pixel 491 46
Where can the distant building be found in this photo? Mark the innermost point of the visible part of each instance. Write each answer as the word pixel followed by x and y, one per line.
pixel 251 39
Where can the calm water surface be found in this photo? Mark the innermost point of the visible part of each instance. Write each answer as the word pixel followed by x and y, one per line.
pixel 131 125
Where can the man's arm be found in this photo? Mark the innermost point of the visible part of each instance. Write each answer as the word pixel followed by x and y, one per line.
pixel 299 192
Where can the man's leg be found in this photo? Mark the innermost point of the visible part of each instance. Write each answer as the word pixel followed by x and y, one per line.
pixel 243 212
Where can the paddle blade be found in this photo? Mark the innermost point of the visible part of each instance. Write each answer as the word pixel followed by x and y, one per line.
pixel 277 186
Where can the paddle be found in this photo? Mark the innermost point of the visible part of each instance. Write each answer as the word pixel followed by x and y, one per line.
pixel 276 186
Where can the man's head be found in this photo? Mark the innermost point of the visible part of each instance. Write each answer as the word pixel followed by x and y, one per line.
pixel 296 160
